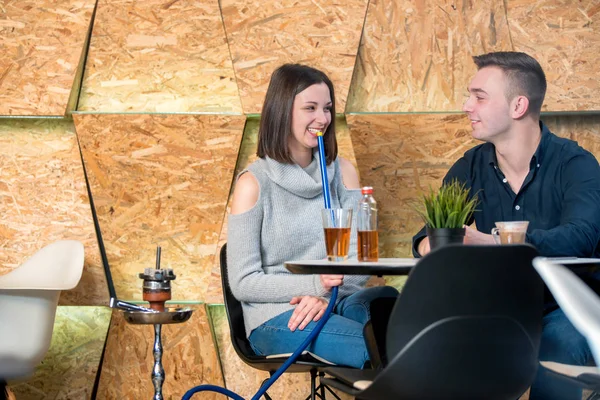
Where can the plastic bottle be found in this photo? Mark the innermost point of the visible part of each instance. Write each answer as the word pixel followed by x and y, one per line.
pixel 368 237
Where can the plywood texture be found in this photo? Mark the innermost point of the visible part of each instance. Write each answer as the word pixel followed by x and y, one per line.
pixel 160 180
pixel 189 358
pixel 43 199
pixel 159 56
pixel 415 55
pixel 245 380
pixel 585 130
pixel 41 43
pixel 247 156
pixel 262 35
pixel 69 368
pixel 564 36
pixel 400 156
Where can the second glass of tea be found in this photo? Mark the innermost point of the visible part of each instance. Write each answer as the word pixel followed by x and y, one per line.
pixel 337 223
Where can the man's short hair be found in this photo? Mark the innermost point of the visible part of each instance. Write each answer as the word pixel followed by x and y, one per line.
pixel 525 76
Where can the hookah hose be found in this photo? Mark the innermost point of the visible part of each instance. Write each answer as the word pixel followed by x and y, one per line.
pixel 334 292
pixel 213 388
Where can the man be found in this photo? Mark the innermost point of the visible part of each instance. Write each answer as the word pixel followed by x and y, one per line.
pixel 523 172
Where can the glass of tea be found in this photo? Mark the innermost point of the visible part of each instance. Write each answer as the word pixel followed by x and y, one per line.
pixel 510 232
pixel 337 223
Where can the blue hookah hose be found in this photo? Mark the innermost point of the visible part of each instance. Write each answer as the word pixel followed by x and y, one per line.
pixel 323 164
pixel 334 292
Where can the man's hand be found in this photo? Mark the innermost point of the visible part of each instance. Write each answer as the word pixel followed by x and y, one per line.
pixel 424 246
pixel 473 236
pixel 329 281
pixel 308 308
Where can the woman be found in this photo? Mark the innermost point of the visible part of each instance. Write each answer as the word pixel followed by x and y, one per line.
pixel 276 217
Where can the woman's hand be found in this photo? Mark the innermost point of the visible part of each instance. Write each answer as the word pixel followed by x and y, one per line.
pixel 329 281
pixel 308 308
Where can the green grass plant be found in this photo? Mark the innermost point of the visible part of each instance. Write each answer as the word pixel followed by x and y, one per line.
pixel 450 207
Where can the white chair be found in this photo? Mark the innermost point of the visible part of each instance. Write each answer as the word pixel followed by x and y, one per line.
pixel 582 306
pixel 28 300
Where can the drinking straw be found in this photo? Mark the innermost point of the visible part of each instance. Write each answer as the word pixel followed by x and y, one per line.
pixel 324 180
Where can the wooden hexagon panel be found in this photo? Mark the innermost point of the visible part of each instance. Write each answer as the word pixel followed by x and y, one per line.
pixel 415 55
pixel 43 199
pixel 264 34
pixel 159 56
pixel 41 42
pixel 160 180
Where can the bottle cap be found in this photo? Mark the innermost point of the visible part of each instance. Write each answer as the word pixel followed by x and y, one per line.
pixel 367 190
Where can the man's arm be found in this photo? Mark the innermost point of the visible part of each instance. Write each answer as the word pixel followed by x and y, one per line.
pixel 460 172
pixel 579 230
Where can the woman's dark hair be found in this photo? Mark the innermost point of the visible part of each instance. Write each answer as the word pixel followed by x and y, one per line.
pixel 525 76
pixel 276 118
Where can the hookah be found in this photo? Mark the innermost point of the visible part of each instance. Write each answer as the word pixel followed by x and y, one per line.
pixel 156 291
pixel 334 292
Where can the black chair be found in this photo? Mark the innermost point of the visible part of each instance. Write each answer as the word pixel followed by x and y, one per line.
pixel 235 316
pixel 467 325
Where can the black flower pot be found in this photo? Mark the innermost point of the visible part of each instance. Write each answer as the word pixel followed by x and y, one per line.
pixel 439 237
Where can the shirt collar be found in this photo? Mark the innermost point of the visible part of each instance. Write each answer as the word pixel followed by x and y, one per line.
pixel 537 156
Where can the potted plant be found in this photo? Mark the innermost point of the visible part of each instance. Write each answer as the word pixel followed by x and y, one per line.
pixel 446 212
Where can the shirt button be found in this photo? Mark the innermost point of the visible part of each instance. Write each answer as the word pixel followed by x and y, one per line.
pixel 517 208
pixel 538 165
pixel 504 180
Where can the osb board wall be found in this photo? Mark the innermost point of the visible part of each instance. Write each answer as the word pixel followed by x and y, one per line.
pixel 400 156
pixel 262 35
pixel 415 55
pixel 247 156
pixel 245 380
pixel 159 56
pixel 564 36
pixel 189 358
pixel 585 130
pixel 69 368
pixel 43 199
pixel 160 180
pixel 41 42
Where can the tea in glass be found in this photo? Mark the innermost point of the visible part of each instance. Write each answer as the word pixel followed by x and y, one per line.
pixel 337 223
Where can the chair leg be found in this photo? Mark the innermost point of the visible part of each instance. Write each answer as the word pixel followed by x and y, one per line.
pixel 322 374
pixel 266 395
pixel 323 386
pixel 313 385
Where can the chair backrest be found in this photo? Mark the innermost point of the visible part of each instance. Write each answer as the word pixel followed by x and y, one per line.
pixel 57 266
pixel 235 315
pixel 28 298
pixel 466 324
pixel 579 303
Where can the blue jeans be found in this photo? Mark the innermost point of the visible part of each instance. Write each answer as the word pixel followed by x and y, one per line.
pixel 341 339
pixel 562 343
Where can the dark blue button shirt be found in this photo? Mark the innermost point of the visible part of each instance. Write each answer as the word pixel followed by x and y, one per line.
pixel 560 196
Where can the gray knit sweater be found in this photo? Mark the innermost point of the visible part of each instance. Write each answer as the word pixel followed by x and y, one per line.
pixel 285 224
